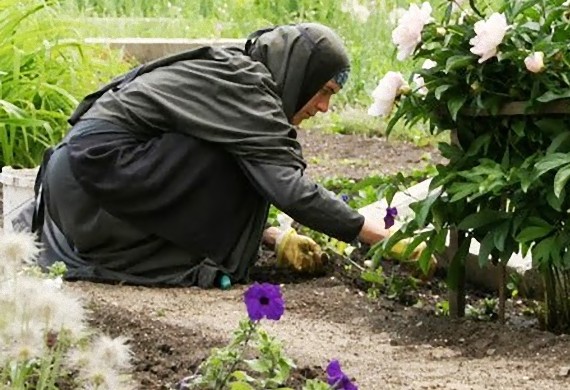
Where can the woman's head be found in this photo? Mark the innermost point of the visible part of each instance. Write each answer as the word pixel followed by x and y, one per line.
pixel 307 61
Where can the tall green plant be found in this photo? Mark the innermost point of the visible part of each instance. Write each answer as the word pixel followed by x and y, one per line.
pixel 498 78
pixel 43 72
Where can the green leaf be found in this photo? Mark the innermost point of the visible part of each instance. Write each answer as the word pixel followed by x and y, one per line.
pixel 521 6
pixel 552 96
pixel 554 201
pixel 455 103
pixel 440 90
pixel 394 120
pixel 241 386
pixel 526 179
pixel 480 218
pixel 449 151
pixel 425 258
pixel 242 376
pixel 487 246
pixel 424 207
pixel 458 61
pixel 417 240
pixel 482 141
pixel 531 233
pixel 560 180
pixel 518 127
pixel 373 277
pixel 535 26
pixel 551 161
pixel 258 365
pixel 439 240
pixel 541 252
pixel 500 235
pixel 465 191
pixel 537 221
pixel 558 141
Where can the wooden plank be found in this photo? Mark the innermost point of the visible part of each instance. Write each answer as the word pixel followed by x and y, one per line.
pixel 557 107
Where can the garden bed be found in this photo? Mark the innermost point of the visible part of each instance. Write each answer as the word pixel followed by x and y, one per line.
pixel 389 342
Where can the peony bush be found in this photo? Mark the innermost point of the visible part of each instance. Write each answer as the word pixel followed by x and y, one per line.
pixel 495 77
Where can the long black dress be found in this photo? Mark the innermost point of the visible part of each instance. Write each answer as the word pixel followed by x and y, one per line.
pixel 168 179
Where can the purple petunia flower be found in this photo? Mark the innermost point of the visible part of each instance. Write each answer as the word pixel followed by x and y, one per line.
pixel 337 379
pixel 391 213
pixel 264 301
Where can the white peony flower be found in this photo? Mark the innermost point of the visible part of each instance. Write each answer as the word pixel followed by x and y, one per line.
pixel 389 88
pixel 462 17
pixel 489 35
pixel 428 64
pixel 408 34
pixel 357 10
pixel 535 62
pixel 419 82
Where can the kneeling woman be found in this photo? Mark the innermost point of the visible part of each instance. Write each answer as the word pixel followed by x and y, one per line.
pixel 166 177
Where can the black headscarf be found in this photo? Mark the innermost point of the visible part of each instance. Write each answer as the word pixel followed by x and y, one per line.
pixel 301 58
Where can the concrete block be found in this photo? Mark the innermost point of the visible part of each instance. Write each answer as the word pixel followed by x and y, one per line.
pixel 147 49
pixel 17 191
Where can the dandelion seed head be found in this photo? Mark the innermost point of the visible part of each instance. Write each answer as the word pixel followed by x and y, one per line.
pixel 113 351
pixel 19 247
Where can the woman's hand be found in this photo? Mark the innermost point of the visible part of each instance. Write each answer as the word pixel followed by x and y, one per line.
pixel 372 230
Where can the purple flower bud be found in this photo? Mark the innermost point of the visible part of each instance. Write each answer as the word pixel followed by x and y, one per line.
pixel 391 213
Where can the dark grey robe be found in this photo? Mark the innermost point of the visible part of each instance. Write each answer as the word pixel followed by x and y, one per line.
pixel 168 179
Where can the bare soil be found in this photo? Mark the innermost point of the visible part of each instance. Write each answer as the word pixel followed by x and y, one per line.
pixel 383 343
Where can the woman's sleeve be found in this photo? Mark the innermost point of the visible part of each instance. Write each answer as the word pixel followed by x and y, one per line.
pixel 303 200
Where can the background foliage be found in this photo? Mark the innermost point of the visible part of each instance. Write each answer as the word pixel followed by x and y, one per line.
pixel 367 41
pixel 43 71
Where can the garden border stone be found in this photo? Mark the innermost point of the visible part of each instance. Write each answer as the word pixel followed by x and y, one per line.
pixel 147 49
pixel 17 191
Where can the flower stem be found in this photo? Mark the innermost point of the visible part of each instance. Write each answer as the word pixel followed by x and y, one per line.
pixel 249 332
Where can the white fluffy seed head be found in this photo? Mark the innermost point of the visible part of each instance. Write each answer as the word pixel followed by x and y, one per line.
pixel 102 363
pixel 22 342
pixel 113 351
pixel 18 248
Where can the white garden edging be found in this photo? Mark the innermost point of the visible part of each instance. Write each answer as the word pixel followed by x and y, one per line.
pixel 17 191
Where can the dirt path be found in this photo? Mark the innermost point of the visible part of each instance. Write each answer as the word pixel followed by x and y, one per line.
pixel 383 345
pixel 325 320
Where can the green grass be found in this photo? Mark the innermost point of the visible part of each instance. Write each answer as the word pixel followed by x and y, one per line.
pixel 369 43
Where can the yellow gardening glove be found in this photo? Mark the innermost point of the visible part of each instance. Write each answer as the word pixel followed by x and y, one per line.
pixel 400 247
pixel 398 250
pixel 299 252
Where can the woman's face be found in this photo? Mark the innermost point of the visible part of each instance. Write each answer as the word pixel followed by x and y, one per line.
pixel 319 102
